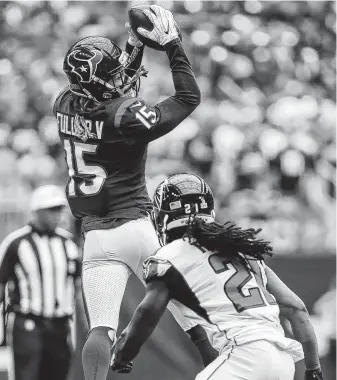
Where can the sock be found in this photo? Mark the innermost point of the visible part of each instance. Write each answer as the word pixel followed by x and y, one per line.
pixel 96 353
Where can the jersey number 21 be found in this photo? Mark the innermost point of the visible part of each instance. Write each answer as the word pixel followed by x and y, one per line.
pixel 257 296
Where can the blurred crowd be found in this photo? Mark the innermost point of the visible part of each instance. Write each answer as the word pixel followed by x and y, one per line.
pixel 263 136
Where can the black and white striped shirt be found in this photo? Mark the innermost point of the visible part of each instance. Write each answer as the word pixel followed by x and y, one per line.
pixel 40 271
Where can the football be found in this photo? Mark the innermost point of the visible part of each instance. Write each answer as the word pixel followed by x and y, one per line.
pixel 138 19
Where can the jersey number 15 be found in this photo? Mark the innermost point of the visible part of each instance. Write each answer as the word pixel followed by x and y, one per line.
pixel 93 176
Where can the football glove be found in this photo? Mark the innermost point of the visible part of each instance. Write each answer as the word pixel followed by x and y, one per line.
pixel 133 39
pixel 164 30
pixel 314 374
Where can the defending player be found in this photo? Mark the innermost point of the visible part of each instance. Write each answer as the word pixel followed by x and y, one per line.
pixel 105 129
pixel 218 271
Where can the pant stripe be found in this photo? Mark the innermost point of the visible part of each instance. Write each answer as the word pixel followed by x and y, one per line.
pixel 223 362
pixel 85 304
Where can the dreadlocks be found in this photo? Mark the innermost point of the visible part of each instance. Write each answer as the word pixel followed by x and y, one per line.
pixel 88 106
pixel 228 240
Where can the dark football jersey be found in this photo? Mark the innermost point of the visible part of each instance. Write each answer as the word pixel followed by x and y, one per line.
pixel 106 146
pixel 106 167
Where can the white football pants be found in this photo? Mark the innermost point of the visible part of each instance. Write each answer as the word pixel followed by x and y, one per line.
pixel 260 360
pixel 109 257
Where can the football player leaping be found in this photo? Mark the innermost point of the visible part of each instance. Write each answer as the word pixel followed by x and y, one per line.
pixel 218 271
pixel 105 129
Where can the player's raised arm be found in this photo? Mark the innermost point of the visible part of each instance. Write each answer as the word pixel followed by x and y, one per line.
pixel 134 50
pixel 293 308
pixel 142 123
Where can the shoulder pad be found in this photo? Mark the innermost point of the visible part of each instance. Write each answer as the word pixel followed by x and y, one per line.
pixel 59 99
pixel 154 268
pixel 135 112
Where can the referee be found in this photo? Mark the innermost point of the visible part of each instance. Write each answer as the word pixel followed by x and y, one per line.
pixel 39 268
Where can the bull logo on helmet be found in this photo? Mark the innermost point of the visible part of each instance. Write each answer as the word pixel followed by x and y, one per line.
pixel 84 63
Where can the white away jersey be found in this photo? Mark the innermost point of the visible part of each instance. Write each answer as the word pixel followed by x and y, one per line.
pixel 228 296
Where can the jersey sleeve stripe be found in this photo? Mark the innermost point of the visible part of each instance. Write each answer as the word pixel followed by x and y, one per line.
pixel 121 111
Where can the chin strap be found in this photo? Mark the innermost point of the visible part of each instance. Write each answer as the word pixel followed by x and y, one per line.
pixel 141 72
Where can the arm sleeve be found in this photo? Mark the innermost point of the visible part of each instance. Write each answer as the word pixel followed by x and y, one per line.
pixel 8 257
pixel 141 123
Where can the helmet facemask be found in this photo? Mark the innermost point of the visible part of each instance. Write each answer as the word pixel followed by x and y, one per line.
pixel 127 85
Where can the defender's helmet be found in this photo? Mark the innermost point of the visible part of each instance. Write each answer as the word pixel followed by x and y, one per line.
pixel 98 69
pixel 176 199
